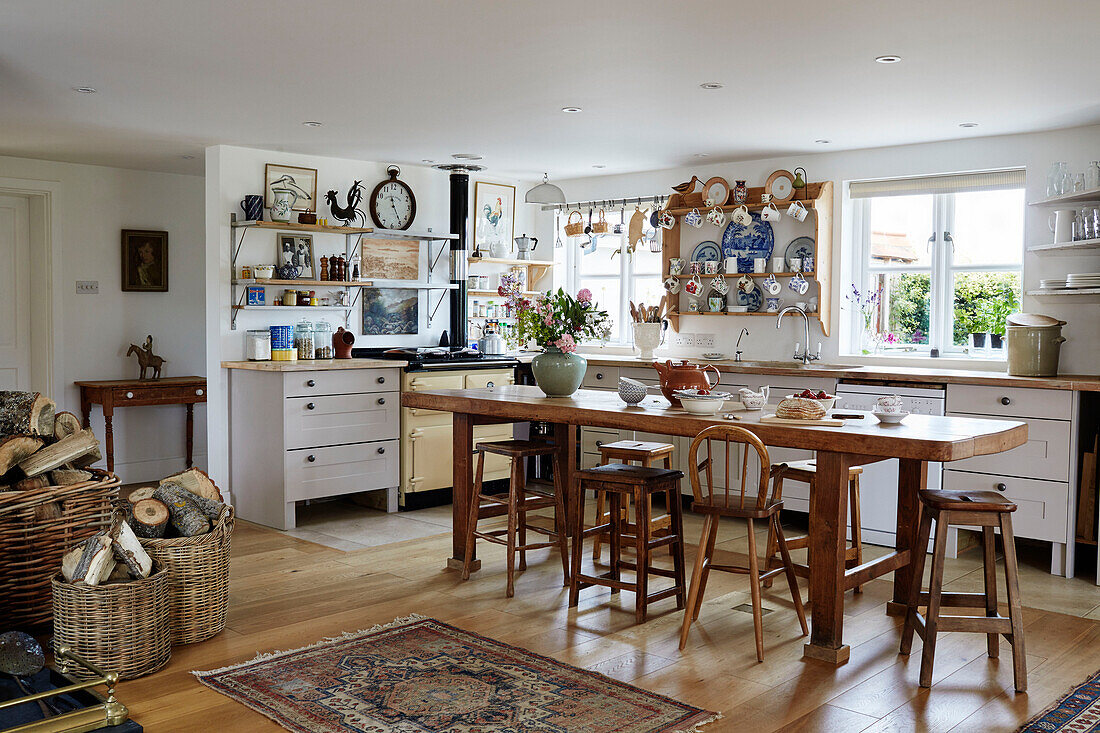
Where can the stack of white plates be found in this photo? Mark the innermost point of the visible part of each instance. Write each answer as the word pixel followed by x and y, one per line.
pixel 1083 280
pixel 1052 284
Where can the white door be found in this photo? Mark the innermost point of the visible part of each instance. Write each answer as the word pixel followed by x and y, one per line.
pixel 15 311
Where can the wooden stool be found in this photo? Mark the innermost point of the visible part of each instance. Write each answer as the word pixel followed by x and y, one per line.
pixel 806 472
pixel 985 509
pixel 625 451
pixel 516 506
pixel 622 483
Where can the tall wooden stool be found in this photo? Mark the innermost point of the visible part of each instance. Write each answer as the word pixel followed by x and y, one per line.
pixel 985 509
pixel 522 498
pixel 625 451
pixel 806 472
pixel 639 483
pixel 717 502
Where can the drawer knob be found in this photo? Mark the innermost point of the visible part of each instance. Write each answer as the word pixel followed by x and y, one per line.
pixel 381 451
pixel 129 395
pixel 311 406
pixel 381 380
pixel 1006 401
pixel 311 383
pixel 198 392
pixel 381 400
pixel 490 385
pixel 1001 487
pixel 311 459
pixel 599 443
pixel 599 375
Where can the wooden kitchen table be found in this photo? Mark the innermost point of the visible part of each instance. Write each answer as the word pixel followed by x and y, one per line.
pixel 921 438
pixel 134 392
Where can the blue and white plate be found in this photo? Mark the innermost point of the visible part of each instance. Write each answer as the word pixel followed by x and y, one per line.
pixel 799 247
pixel 752 299
pixel 754 240
pixel 706 251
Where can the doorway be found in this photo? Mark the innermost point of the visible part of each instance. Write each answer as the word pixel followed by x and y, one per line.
pixel 15 283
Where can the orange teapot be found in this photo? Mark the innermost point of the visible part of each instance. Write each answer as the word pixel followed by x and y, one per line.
pixel 684 375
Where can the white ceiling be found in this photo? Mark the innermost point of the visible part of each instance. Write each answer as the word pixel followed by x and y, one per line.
pixel 406 80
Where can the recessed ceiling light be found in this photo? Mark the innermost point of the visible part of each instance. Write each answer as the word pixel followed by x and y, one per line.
pixel 822 141
pixel 571 110
pixel 466 156
pixel 599 166
pixel 888 59
pixel 188 157
pixel 711 85
pixel 426 160
pixel 312 123
pixel 702 155
pixel 85 90
pixel 968 124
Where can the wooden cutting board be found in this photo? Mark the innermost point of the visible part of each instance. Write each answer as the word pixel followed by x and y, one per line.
pixel 826 421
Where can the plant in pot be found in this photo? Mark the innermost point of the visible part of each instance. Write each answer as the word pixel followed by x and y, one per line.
pixel 995 311
pixel 557 322
pixel 973 325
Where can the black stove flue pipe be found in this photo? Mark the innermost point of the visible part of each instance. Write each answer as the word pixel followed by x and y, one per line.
pixel 460 214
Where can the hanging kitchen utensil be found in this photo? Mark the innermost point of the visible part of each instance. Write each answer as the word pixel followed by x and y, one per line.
pixel 588 227
pixel 656 242
pixel 574 228
pixel 601 226
pixel 653 222
pixel 21 656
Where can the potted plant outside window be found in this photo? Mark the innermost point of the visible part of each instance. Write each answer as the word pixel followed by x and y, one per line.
pixel 995 312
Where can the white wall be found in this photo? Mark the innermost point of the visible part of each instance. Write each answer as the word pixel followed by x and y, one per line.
pixel 233 172
pixel 1035 151
pixel 90 207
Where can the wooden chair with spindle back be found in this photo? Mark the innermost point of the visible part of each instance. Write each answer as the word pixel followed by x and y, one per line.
pixel 727 501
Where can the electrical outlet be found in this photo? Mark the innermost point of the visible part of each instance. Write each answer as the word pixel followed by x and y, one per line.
pixel 683 340
pixel 87 287
pixel 704 340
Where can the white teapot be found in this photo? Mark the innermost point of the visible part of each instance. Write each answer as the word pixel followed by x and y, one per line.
pixel 754 400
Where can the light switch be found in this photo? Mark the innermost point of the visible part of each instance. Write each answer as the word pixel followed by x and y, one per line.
pixel 87 287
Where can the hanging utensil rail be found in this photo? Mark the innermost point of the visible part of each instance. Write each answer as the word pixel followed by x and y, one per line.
pixel 609 203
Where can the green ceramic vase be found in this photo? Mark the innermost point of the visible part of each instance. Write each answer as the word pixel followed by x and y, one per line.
pixel 558 374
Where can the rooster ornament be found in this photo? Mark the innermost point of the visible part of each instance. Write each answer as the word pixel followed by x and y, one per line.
pixel 350 214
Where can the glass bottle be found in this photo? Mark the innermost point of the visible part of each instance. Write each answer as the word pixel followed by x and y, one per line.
pixel 1052 180
pixel 1063 179
pixel 1092 175
pixel 1078 182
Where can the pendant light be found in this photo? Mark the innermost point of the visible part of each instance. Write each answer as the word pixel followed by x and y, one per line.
pixel 545 193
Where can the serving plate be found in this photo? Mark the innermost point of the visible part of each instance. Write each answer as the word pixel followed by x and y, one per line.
pixel 707 250
pixel 755 239
pixel 753 299
pixel 799 247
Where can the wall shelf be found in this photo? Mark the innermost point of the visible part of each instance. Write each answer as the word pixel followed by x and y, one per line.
pixel 1066 248
pixel 723 313
pixel 339 308
pixel 508 261
pixel 1091 196
pixel 1067 293
pixel 290 226
pixel 492 293
pixel 314 283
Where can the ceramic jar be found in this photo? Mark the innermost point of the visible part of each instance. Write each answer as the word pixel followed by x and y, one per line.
pixel 558 374
pixel 740 193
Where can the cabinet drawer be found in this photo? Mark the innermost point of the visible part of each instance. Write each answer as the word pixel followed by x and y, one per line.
pixel 431 456
pixel 341 469
pixel 479 380
pixel 340 381
pixel 1045 455
pixel 1042 506
pixel 592 439
pixel 1009 402
pixel 425 383
pixel 338 419
pixel 600 377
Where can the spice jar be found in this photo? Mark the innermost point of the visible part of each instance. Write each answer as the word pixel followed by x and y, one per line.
pixel 322 340
pixel 258 345
pixel 303 339
pixel 290 297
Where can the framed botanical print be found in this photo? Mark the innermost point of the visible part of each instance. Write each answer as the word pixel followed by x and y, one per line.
pixel 296 249
pixel 302 181
pixel 494 217
pixel 144 261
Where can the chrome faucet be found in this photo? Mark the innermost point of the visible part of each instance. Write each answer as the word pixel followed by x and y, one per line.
pixel 737 353
pixel 805 357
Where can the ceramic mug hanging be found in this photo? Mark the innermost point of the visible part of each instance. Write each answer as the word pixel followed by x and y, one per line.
pixel 772 285
pixel 693 218
pixel 672 284
pixel 716 216
pixel 798 284
pixel 694 286
pixel 742 216
pixel 770 213
pixel 745 284
pixel 719 285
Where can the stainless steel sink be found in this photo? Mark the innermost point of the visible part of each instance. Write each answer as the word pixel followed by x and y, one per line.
pixel 825 366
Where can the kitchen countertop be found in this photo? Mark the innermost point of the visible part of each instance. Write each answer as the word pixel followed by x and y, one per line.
pixel 1078 382
pixel 314 365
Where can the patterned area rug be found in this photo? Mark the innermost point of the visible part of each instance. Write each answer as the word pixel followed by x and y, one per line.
pixel 419 675
pixel 1079 711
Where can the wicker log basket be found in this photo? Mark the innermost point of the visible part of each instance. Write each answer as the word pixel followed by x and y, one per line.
pixel 121 627
pixel 36 529
pixel 198 579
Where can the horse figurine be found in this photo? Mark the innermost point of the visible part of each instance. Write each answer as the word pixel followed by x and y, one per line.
pixel 146 358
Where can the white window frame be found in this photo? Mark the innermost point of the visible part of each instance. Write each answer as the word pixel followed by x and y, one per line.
pixel 942 270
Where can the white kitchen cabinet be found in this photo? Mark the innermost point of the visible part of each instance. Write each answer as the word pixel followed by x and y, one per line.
pixel 310 434
pixel 1039 475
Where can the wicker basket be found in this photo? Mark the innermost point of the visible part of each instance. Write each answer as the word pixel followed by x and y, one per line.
pixel 36 529
pixel 120 627
pixel 198 579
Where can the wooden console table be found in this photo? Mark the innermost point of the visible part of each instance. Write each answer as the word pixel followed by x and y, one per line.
pixel 134 392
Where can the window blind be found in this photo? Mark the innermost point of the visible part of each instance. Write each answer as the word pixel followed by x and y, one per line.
pixel 948 183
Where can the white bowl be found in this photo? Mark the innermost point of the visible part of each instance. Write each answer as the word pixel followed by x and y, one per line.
pixel 263 272
pixel 827 403
pixel 702 407
pixel 890 418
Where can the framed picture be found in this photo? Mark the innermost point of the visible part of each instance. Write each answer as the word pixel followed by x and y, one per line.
pixel 390 259
pixel 303 181
pixel 144 261
pixel 296 249
pixel 389 311
pixel 494 216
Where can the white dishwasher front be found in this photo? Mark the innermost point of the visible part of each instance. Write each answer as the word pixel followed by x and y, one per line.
pixel 878 484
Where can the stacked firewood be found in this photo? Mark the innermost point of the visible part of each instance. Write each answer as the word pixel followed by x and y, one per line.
pixel 40 447
pixel 183 505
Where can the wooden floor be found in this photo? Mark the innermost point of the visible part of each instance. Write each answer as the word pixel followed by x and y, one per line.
pixel 287 592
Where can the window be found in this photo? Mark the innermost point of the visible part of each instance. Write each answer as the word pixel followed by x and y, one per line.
pixel 614 275
pixel 944 253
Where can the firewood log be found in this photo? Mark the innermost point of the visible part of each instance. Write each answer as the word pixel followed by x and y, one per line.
pixel 69 476
pixel 212 509
pixel 35 483
pixel 26 413
pixel 16 448
pixel 128 549
pixel 150 518
pixel 71 561
pixel 63 451
pixel 142 492
pixel 66 424
pixel 197 482
pixel 96 562
pixel 186 516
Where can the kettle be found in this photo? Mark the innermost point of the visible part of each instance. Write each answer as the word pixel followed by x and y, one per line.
pixel 491 344
pixel 684 375
pixel 525 245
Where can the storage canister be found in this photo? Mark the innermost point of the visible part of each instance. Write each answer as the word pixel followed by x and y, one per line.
pixel 322 340
pixel 1034 344
pixel 282 343
pixel 303 339
pixel 258 345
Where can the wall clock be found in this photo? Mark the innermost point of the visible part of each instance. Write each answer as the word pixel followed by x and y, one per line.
pixel 780 185
pixel 716 188
pixel 392 203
